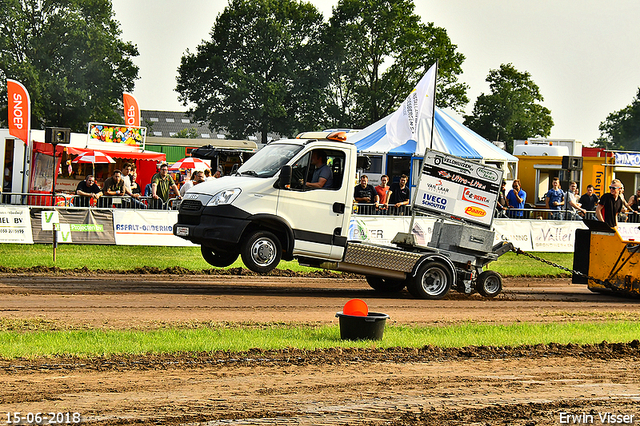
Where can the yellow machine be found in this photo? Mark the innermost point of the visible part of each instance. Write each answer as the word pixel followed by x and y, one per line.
pixel 606 262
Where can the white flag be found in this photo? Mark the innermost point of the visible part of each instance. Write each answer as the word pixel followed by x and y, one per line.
pixel 415 111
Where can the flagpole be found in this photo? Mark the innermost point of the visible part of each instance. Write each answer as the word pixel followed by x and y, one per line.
pixel 433 117
pixel 413 210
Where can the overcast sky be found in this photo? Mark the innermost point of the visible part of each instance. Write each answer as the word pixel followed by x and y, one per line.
pixel 583 54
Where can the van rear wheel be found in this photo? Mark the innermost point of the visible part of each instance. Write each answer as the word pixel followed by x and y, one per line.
pixel 433 281
pixel 217 258
pixel 261 252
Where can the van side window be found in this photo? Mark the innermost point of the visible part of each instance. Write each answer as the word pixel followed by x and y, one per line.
pixel 335 159
pixel 299 172
pixel 302 171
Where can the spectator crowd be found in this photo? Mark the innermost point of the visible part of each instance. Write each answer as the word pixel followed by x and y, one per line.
pixel 122 189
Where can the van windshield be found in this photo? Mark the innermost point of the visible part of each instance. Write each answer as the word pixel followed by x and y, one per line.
pixel 269 160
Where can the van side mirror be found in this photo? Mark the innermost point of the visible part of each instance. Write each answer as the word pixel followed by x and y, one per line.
pixel 285 177
pixel 363 162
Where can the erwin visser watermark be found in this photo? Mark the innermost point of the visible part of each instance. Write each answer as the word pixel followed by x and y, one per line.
pixel 599 418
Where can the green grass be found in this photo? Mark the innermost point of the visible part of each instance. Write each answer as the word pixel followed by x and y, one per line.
pixel 516 265
pixel 87 343
pixel 124 258
pixel 110 257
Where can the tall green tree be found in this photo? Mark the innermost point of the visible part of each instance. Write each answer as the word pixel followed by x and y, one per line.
pixel 621 129
pixel 262 71
pixel 511 109
pixel 69 56
pixel 379 51
pixel 188 133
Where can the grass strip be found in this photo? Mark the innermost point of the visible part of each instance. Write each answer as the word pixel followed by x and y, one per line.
pixel 120 258
pixel 87 343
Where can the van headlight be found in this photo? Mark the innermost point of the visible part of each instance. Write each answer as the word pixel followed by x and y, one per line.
pixel 224 197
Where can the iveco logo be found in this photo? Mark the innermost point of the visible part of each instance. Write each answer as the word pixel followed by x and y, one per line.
pixel 487 174
pixel 190 196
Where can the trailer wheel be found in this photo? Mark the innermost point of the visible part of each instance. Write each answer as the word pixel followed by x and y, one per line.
pixel 261 252
pixel 385 285
pixel 218 258
pixel 489 284
pixel 433 281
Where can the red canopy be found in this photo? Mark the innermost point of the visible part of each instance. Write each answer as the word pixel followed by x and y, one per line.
pixel 146 155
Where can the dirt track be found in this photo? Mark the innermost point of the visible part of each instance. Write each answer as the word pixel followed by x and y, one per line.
pixel 428 386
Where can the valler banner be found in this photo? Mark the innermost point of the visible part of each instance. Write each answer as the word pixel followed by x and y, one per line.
pixel 19 110
pixel 131 110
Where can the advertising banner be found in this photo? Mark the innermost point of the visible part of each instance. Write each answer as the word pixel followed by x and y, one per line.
pixel 381 230
pixel 457 188
pixel 117 134
pixel 147 228
pixel 554 236
pixel 516 231
pixel 629 231
pixel 627 159
pixel 19 110
pixel 527 235
pixel 131 110
pixel 15 225
pixel 77 226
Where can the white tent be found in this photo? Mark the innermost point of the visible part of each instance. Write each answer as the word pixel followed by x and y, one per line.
pixel 450 137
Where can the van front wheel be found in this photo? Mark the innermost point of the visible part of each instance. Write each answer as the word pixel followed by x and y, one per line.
pixel 220 259
pixel 261 252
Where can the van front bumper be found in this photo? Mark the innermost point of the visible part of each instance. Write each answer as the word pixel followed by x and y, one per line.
pixel 215 226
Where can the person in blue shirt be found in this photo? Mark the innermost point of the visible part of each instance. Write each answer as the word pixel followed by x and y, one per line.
pixel 554 199
pixel 516 199
pixel 322 175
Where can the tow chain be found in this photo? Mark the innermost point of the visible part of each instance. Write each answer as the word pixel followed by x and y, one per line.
pixel 573 271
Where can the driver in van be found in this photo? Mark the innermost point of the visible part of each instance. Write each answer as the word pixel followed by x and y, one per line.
pixel 322 175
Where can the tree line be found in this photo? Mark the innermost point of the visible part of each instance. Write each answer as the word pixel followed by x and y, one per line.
pixel 270 66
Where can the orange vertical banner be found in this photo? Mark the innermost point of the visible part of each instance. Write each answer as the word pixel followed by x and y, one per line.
pixel 19 110
pixel 131 110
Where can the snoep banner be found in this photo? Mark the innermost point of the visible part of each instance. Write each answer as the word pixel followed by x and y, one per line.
pixel 458 188
pixel 131 110
pixel 19 110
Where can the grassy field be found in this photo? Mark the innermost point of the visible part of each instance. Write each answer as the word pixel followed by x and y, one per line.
pixel 124 258
pixel 237 339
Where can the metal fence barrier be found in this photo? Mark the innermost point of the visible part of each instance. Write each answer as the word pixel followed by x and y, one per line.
pixel 71 201
pixel 144 203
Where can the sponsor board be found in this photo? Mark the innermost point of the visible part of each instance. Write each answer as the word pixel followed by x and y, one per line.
pixel 146 228
pixel 15 225
pixel 527 235
pixel 77 226
pixel 458 188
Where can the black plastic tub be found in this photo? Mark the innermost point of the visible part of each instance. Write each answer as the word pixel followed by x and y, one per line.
pixel 370 327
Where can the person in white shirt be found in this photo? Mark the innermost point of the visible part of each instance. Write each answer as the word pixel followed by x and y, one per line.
pixel 196 178
pixel 126 170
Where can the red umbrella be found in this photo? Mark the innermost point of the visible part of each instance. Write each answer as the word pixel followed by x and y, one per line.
pixel 93 157
pixel 189 163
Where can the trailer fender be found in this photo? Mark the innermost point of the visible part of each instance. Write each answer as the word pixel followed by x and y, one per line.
pixel 439 258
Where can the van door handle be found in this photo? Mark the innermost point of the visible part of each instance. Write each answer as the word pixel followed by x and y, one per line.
pixel 338 208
